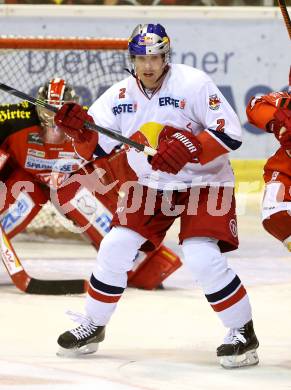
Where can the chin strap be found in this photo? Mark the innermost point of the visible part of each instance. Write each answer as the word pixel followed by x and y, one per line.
pixel 131 72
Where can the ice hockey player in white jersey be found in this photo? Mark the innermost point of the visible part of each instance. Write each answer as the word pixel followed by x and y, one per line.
pixel 179 111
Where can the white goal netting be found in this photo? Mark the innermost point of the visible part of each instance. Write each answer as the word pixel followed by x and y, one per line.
pixel 89 65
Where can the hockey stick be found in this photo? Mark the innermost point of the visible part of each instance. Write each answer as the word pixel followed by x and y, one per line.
pixel 31 285
pixel 285 14
pixel 92 126
pixel 286 17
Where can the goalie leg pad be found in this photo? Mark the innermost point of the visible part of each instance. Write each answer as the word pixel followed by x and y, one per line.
pixel 154 269
pixel 23 200
pixel 90 215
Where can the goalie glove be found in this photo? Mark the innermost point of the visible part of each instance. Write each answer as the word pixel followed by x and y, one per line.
pixel 71 119
pixel 281 127
pixel 176 149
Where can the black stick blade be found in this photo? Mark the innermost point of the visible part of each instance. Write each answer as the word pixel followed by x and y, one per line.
pixel 56 287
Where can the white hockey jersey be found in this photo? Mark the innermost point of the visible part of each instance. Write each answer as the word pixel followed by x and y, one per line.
pixel 189 100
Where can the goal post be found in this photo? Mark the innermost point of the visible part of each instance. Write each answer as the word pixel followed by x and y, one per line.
pixel 90 65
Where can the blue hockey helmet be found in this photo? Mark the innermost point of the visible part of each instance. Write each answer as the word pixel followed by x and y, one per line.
pixel 149 39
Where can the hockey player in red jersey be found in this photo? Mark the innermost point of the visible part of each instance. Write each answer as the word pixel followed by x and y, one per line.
pixel 39 162
pixel 272 113
pixel 179 111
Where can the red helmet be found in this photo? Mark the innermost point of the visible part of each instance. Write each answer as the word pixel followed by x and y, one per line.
pixel 55 92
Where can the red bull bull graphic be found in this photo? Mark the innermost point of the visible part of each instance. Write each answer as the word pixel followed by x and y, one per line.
pixel 214 102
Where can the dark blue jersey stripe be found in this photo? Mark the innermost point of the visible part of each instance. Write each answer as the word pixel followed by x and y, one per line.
pixel 229 142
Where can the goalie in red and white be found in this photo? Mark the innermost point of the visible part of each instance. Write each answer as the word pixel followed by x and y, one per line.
pixel 272 113
pixel 38 163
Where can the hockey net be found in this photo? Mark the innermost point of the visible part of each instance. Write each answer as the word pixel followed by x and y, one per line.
pixel 89 65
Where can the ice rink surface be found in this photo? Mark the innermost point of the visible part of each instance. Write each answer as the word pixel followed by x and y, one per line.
pixel 156 340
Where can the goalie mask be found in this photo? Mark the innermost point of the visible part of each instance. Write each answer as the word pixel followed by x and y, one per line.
pixel 149 39
pixel 55 92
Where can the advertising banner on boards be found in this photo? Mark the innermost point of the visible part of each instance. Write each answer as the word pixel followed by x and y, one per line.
pixel 246 53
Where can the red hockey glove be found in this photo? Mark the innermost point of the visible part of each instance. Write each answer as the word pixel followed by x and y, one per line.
pixel 281 127
pixel 175 151
pixel 71 118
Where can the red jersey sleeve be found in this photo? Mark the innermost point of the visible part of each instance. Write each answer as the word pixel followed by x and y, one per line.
pixel 260 111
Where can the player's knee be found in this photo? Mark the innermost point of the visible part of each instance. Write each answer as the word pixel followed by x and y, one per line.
pixel 204 259
pixel 118 249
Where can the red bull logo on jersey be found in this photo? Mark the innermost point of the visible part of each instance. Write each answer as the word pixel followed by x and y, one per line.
pixel 169 101
pixel 148 134
pixel 124 108
pixel 214 102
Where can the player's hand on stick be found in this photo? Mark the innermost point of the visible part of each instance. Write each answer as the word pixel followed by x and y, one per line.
pixel 176 148
pixel 71 118
pixel 281 127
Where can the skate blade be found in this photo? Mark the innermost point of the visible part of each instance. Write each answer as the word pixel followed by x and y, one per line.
pixel 76 352
pixel 250 358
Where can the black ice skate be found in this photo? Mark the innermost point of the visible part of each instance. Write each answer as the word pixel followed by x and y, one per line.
pixel 239 348
pixel 81 340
